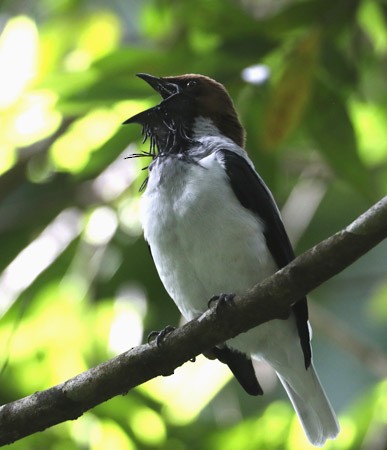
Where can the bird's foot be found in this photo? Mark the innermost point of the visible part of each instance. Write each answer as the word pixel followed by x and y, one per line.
pixel 159 336
pixel 220 301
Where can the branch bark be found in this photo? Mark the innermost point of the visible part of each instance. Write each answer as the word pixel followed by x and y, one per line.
pixel 268 300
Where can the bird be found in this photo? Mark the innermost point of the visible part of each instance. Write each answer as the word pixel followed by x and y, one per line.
pixel 213 227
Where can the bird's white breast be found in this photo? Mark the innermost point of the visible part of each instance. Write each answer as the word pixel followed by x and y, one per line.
pixel 203 241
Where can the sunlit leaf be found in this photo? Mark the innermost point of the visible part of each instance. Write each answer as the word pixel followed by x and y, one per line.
pixel 108 435
pixel 148 426
pixel 18 58
pixel 266 431
pixel 373 21
pixel 330 126
pixel 370 126
pixel 182 406
pixel 7 157
pixel 32 118
pixel 101 23
pixel 73 150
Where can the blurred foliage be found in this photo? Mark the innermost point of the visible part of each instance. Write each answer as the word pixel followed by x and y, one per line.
pixel 77 284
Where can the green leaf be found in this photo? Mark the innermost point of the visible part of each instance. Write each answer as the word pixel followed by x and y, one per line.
pixel 330 127
pixel 291 94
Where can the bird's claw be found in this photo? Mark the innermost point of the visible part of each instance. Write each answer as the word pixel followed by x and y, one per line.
pixel 220 301
pixel 159 336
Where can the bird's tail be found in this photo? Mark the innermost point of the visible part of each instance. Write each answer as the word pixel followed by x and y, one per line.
pixel 312 405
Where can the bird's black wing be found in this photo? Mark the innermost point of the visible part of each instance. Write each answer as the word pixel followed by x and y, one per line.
pixel 254 195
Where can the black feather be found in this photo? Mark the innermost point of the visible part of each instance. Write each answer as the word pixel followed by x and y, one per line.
pixel 254 195
pixel 242 368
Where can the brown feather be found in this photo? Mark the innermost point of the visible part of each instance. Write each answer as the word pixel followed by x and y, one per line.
pixel 213 101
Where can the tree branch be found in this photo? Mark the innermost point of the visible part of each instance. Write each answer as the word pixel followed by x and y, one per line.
pixel 269 300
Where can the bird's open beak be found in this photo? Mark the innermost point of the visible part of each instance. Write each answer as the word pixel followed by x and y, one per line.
pixel 161 85
pixel 165 88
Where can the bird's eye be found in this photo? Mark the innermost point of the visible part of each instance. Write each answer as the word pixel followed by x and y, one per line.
pixel 191 84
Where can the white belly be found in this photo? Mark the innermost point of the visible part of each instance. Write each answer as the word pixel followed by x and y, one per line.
pixel 203 242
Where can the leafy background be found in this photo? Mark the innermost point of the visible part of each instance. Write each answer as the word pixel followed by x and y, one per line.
pixel 77 284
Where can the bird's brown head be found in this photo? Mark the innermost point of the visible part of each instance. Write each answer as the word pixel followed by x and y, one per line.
pixel 200 104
